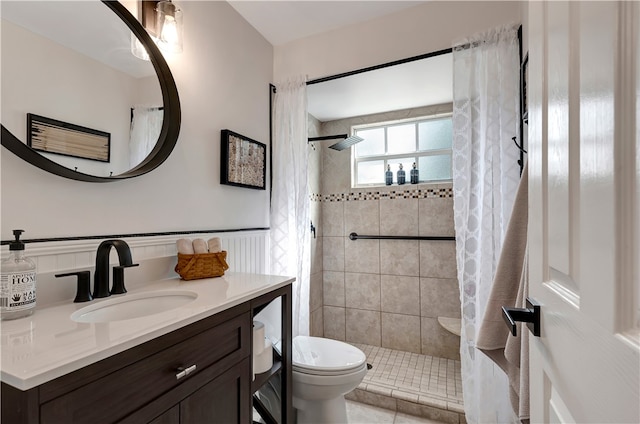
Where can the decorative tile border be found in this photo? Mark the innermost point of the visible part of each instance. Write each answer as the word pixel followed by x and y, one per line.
pixel 409 194
pixel 363 195
pixel 439 192
pixel 418 193
pixel 334 198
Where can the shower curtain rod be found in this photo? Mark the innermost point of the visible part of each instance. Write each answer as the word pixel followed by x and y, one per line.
pixel 354 236
pixel 397 62
pixel 381 66
pixel 401 61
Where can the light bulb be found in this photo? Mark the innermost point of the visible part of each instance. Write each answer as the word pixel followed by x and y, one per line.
pixel 169 26
pixel 169 30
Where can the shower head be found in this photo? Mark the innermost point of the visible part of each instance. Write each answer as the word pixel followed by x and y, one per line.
pixel 341 145
pixel 347 142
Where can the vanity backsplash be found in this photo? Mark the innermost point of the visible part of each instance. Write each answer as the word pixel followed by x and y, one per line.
pixel 247 251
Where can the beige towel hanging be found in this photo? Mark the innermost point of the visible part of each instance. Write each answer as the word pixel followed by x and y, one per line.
pixel 510 288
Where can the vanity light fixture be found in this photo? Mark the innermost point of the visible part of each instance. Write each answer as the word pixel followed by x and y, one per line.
pixel 163 22
pixel 169 26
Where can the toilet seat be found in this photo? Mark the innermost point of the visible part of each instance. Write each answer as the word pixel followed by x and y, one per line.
pixel 320 356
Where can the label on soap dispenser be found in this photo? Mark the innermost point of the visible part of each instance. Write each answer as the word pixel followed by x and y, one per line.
pixel 17 291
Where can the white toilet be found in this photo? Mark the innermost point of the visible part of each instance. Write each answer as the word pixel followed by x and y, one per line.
pixel 324 370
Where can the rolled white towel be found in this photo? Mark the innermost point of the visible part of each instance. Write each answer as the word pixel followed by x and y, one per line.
pixel 184 246
pixel 199 246
pixel 215 245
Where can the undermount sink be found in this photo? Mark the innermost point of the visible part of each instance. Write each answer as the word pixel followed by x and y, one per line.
pixel 133 306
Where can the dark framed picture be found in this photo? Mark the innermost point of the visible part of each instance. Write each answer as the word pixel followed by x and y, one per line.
pixel 243 161
pixel 62 138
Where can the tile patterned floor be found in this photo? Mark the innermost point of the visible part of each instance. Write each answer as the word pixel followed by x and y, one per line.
pixel 414 373
pixel 422 380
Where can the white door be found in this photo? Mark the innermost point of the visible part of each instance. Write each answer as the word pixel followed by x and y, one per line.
pixel 584 206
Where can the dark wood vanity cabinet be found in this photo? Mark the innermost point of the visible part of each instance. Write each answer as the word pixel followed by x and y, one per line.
pixel 200 373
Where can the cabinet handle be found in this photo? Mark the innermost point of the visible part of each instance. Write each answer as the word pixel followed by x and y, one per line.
pixel 183 372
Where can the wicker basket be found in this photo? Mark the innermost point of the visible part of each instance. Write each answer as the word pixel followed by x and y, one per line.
pixel 202 265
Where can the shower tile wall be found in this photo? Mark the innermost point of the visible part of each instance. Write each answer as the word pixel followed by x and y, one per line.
pixel 385 293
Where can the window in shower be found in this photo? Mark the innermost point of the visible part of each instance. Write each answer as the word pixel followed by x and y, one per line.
pixel 424 141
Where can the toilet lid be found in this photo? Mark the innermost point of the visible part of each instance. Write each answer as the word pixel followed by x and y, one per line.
pixel 316 355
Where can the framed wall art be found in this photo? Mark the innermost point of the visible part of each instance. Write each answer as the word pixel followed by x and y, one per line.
pixel 243 161
pixel 62 138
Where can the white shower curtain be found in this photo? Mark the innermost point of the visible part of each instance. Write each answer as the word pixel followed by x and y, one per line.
pixel 485 179
pixel 290 222
pixel 146 124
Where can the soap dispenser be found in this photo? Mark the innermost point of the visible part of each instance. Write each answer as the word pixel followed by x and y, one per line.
pixel 415 176
pixel 17 282
pixel 388 176
pixel 401 175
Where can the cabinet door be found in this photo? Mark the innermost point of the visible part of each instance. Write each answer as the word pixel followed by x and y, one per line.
pixel 172 416
pixel 225 400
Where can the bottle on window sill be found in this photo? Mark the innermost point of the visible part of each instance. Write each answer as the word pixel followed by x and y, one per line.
pixel 414 174
pixel 401 176
pixel 388 176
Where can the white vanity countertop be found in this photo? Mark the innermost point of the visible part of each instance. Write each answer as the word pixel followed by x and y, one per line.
pixel 48 344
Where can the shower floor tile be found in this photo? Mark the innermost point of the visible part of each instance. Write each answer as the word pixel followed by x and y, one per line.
pixel 413 377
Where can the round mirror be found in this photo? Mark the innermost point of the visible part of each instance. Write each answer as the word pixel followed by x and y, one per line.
pixel 75 101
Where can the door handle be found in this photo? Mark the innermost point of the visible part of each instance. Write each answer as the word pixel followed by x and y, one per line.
pixel 530 315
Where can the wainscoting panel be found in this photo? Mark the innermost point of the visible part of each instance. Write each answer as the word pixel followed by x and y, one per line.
pixel 247 251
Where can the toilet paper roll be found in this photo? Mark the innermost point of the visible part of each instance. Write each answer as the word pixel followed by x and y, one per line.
pixel 258 338
pixel 264 361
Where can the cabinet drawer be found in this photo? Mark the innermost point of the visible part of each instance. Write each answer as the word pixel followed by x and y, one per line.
pixel 114 396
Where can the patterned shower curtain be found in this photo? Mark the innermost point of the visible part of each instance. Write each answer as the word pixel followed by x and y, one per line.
pixel 485 180
pixel 146 124
pixel 290 228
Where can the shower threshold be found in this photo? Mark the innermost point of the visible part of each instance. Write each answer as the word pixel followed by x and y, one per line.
pixel 420 385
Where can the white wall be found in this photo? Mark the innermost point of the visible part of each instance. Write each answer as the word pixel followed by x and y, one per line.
pixel 421 29
pixel 223 79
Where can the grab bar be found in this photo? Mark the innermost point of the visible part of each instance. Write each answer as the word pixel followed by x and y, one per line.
pixel 354 236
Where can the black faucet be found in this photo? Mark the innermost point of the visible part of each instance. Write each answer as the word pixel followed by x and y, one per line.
pixel 101 278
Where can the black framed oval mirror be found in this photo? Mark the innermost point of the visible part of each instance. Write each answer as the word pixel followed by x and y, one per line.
pixel 168 132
